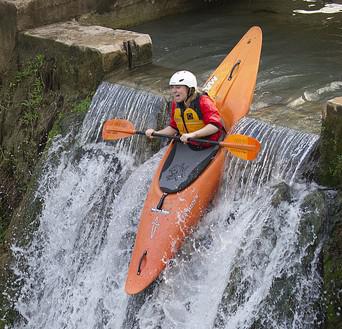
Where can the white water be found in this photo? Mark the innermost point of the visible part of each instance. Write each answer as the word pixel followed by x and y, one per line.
pixel 228 274
pixel 329 8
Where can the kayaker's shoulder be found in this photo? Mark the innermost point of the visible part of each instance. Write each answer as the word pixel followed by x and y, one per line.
pixel 205 99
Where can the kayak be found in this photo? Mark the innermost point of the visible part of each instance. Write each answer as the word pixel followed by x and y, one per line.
pixel 187 179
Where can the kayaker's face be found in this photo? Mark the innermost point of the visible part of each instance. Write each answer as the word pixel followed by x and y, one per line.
pixel 179 93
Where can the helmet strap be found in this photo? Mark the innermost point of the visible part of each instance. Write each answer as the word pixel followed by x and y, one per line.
pixel 191 91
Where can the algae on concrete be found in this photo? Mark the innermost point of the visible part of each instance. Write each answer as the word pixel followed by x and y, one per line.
pixel 330 174
pixel 332 266
pixel 330 169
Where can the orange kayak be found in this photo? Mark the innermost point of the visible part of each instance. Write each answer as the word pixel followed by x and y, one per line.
pixel 186 180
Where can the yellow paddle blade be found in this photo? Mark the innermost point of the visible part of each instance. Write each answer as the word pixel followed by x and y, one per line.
pixel 116 129
pixel 242 146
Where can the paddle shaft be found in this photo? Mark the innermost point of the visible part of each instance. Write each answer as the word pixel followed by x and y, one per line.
pixel 198 140
pixel 177 138
pixel 241 146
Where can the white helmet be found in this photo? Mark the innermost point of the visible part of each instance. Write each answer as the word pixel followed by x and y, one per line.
pixel 183 78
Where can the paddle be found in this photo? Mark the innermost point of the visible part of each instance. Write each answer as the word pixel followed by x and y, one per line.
pixel 244 147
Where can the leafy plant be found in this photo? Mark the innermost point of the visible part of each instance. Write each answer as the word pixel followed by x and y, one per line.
pixel 35 94
pixel 82 106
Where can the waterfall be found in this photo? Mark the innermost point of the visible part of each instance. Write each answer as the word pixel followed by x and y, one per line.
pixel 247 264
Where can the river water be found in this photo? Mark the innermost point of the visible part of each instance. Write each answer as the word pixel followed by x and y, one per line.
pixel 253 261
pixel 237 270
pixel 301 61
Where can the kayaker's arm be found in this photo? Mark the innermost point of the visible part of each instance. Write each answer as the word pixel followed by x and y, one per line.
pixel 165 131
pixel 207 130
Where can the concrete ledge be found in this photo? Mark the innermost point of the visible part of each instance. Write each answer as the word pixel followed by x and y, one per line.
pixel 19 15
pixel 330 168
pixel 83 54
pixel 334 107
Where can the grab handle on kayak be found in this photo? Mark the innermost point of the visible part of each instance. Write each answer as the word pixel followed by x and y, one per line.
pixel 140 262
pixel 160 205
pixel 232 70
pixel 161 201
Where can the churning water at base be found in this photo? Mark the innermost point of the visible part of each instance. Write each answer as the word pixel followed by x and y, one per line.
pixel 248 263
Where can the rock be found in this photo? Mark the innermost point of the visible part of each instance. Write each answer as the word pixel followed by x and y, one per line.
pixel 84 54
pixel 282 194
pixel 314 214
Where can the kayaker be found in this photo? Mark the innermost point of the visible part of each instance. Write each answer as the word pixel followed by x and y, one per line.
pixel 193 114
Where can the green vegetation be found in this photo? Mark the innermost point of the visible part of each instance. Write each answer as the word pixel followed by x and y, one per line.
pixel 30 75
pixel 78 107
pixel 39 99
pixel 34 98
pixel 33 103
pixel 56 129
pixel 330 174
pixel 82 106
pixel 32 67
pixel 21 100
pixel 336 168
pixel 333 278
pixel 33 110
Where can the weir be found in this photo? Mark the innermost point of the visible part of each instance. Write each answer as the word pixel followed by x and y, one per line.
pixel 252 262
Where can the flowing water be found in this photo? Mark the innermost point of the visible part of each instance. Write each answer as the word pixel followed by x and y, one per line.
pixel 301 60
pixel 227 272
pixel 253 261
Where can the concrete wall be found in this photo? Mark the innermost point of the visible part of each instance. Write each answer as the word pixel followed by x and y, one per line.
pixel 20 15
pixel 125 13
pixel 8 32
pixel 330 169
pixel 81 54
pixel 24 14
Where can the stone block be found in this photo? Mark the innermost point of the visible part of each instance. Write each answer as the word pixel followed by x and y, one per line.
pixel 84 54
pixel 330 167
pixel 19 15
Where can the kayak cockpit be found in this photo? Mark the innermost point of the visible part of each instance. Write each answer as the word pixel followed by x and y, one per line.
pixel 183 165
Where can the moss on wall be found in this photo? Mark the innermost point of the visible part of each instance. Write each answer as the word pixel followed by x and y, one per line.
pixel 330 174
pixel 33 108
pixel 30 103
pixel 330 169
pixel 333 272
pixel 22 133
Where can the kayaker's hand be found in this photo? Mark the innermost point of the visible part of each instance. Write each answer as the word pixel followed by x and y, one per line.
pixel 149 132
pixel 184 138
